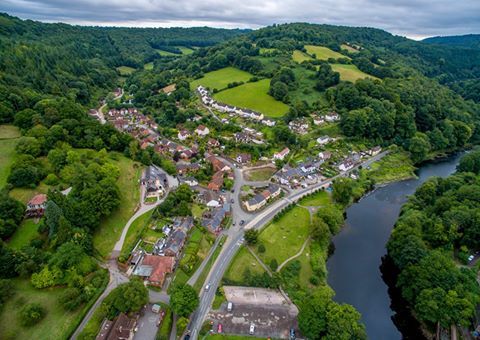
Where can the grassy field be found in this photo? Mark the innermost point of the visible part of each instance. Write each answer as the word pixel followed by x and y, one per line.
pixel 25 194
pixel 395 166
pixel 323 53
pixel 254 96
pixel 148 66
pixel 110 228
pixel 299 56
pixel 135 231
pixel 243 260
pixel 263 174
pixel 125 70
pixel 219 79
pixel 320 198
pixel 8 141
pixel 24 234
pixel 349 72
pixel 285 237
pixel 348 48
pixel 185 50
pixel 264 50
pixel 166 53
pixel 203 276
pixel 57 323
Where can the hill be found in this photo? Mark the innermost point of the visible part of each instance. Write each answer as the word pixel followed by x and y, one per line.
pixel 467 41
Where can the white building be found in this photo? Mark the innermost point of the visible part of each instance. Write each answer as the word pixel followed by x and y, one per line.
pixel 282 154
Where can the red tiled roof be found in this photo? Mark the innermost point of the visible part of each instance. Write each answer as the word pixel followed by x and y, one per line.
pixel 38 199
pixel 161 266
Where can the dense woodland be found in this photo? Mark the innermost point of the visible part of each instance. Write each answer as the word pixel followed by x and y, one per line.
pixel 436 233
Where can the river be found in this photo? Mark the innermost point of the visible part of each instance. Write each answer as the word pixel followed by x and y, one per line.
pixel 354 268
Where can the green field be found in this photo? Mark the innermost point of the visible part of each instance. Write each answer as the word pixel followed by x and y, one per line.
pixel 350 72
pixel 395 166
pixel 166 53
pixel 348 48
pixel 254 96
pixel 243 260
pixel 285 237
pixel 135 231
pixel 185 50
pixel 26 232
pixel 26 194
pixel 262 174
pixel 299 56
pixel 148 66
pixel 219 79
pixel 57 323
pixel 264 50
pixel 125 70
pixel 8 141
pixel 110 228
pixel 323 53
pixel 320 198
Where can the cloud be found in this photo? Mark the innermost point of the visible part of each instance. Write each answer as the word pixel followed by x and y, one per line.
pixel 413 18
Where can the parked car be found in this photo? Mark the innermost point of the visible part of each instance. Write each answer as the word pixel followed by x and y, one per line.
pixel 242 222
pixel 229 307
pixel 292 334
pixel 470 258
pixel 252 329
pixel 220 328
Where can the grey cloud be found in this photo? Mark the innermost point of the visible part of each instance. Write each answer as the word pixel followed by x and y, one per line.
pixel 412 18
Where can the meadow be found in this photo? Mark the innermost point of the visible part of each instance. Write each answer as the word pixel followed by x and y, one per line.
pixel 348 48
pixel 8 140
pixel 253 96
pixel 299 56
pixel 220 79
pixel 243 260
pixel 26 232
pixel 125 70
pixel 350 72
pixel 323 53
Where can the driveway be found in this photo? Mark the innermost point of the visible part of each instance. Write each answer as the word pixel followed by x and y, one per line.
pixel 147 325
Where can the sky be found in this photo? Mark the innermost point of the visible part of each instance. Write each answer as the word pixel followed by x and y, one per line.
pixel 415 19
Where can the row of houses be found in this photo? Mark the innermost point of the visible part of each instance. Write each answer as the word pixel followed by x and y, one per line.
pixel 221 171
pixel 260 199
pixel 330 117
pixel 200 131
pixel 232 110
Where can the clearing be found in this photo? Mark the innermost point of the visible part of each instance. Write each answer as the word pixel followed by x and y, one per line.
pixel 125 70
pixel 262 174
pixel 299 56
pixel 284 238
pixel 135 232
pixel 8 141
pixel 323 53
pixel 321 198
pixel 220 79
pixel 243 260
pixel 395 166
pixel 110 228
pixel 350 72
pixel 26 194
pixel 148 66
pixel 348 48
pixel 26 232
pixel 57 324
pixel 254 96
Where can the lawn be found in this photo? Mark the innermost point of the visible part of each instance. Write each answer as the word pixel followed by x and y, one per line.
pixel 320 198
pixel 57 323
pixel 220 79
pixel 110 228
pixel 323 53
pixel 348 48
pixel 24 234
pixel 349 72
pixel 125 70
pixel 135 231
pixel 284 238
pixel 185 50
pixel 8 141
pixel 166 53
pixel 9 132
pixel 263 174
pixel 25 194
pixel 243 260
pixel 254 96
pixel 197 210
pixel 299 56
pixel 395 166
pixel 148 66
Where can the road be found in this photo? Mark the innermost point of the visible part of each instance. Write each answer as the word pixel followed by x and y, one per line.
pixel 235 239
pixel 101 116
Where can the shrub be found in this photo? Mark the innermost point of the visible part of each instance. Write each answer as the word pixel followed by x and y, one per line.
pixel 273 264
pixel 51 179
pixel 31 314
pixel 261 249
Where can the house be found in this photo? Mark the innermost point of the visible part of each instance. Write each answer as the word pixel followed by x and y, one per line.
pixel 190 181
pixel 318 120
pixel 218 165
pixel 332 117
pixel 323 140
pixel 282 154
pixel 213 219
pixel 211 199
pixel 375 151
pixel 299 126
pixel 183 223
pixel 122 328
pixel 325 155
pixel 36 206
pixel 241 137
pixel 244 158
pixel 308 168
pixel 183 134
pixel 255 203
pixel 217 181
pixel 155 182
pixel 183 168
pixel 272 191
pixel 346 165
pixel 268 122
pixel 154 269
pixel 202 130
pixel 175 243
pixel 213 143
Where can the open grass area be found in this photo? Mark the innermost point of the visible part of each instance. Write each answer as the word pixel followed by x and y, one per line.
pixel 57 323
pixel 320 198
pixel 9 132
pixel 166 53
pixel 254 96
pixel 8 141
pixel 284 238
pixel 243 260
pixel 148 66
pixel 350 72
pixel 26 194
pixel 26 232
pixel 219 79
pixel 299 56
pixel 264 50
pixel 348 48
pixel 185 50
pixel 305 87
pixel 395 166
pixel 203 276
pixel 323 53
pixel 110 228
pixel 262 174
pixel 135 231
pixel 125 70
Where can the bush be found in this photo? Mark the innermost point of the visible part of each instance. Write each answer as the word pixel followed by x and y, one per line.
pixel 51 179
pixel 182 324
pixel 31 314
pixel 273 264
pixel 314 280
pixel 261 249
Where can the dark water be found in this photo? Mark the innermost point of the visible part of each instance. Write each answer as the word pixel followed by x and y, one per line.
pixel 354 268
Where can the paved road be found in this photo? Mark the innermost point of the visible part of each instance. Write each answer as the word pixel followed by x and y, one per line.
pixel 101 116
pixel 235 238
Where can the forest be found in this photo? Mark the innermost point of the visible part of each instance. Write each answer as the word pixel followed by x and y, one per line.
pixel 431 243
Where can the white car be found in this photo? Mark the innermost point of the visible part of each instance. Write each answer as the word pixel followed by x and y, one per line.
pixel 207 287
pixel 252 329
pixel 470 258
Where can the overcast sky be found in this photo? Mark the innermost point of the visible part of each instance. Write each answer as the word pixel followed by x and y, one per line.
pixel 413 18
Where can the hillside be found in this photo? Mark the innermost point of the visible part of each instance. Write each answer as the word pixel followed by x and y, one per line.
pixel 467 41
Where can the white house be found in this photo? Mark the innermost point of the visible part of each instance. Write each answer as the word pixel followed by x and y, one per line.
pixel 324 155
pixel 323 140
pixel 183 134
pixel 268 122
pixel 202 130
pixel 332 117
pixel 318 120
pixel 346 165
pixel 282 154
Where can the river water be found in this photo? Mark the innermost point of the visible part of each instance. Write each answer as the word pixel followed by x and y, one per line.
pixel 354 268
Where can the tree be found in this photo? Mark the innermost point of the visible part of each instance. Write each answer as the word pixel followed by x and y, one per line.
pixel 332 216
pixel 312 318
pixel 470 162
pixel 31 314
pixel 279 91
pixel 126 298
pixel 343 323
pixel 184 300
pixel 419 147
pixel 343 190
pixel 251 236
